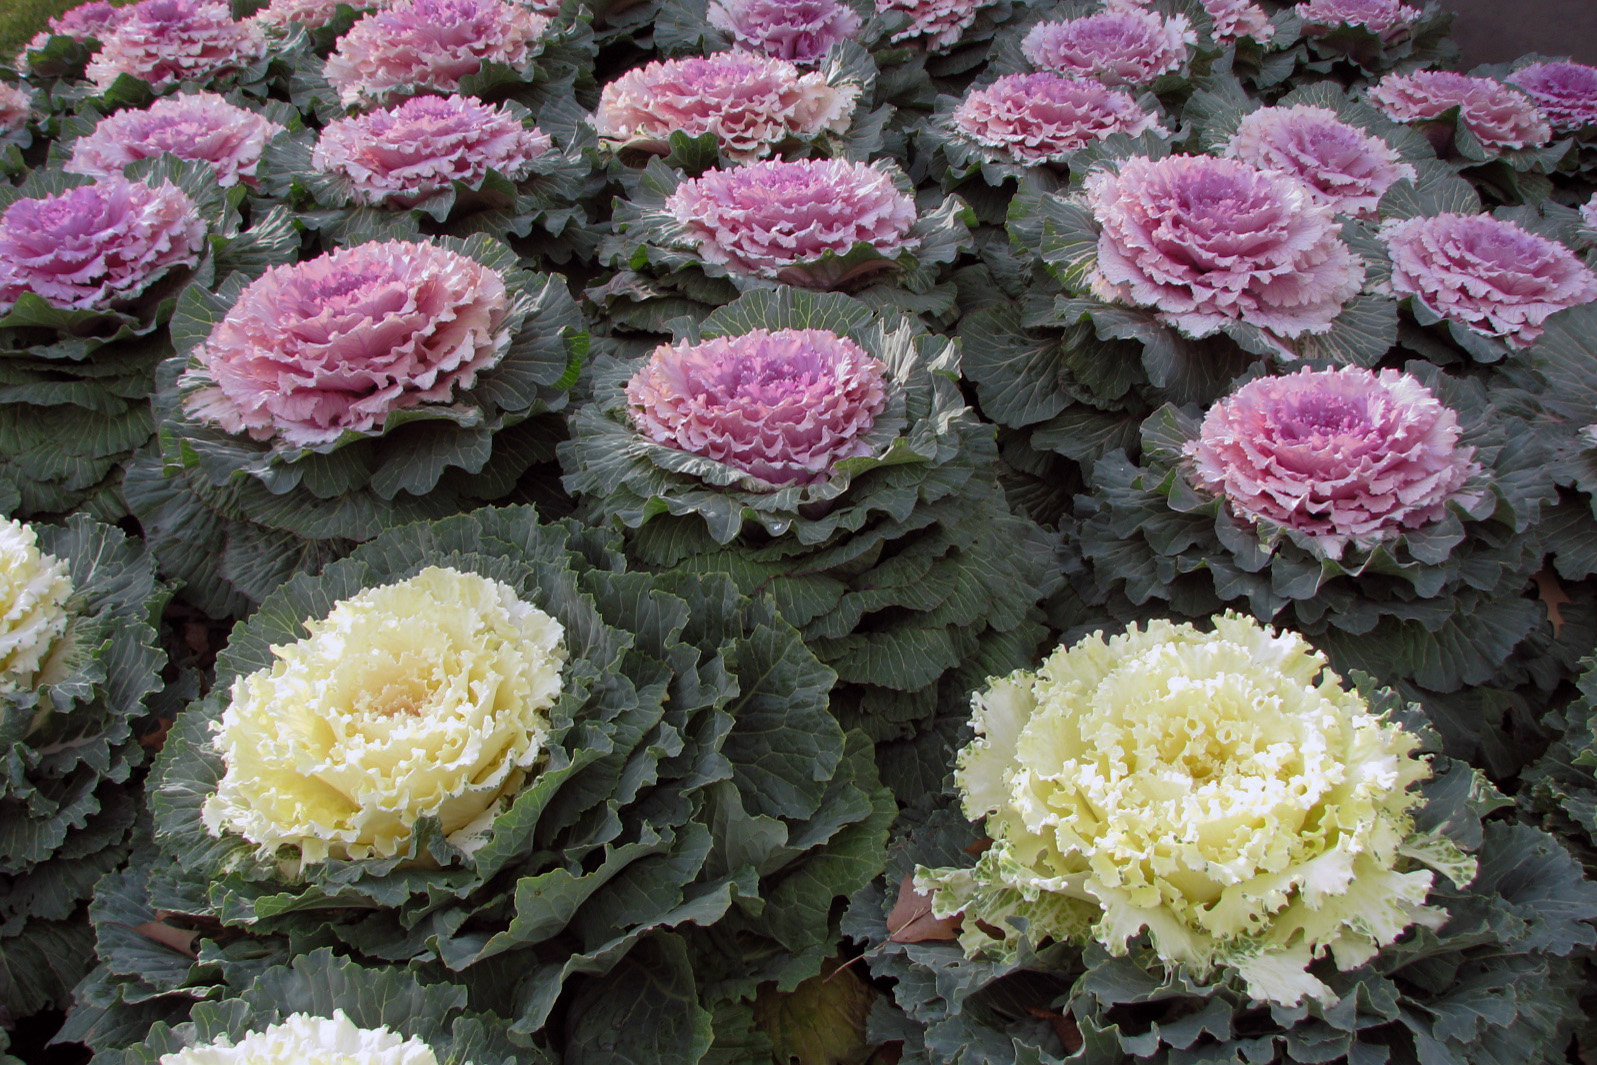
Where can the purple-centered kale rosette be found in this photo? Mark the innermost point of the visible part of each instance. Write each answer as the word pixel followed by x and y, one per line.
pixel 493 50
pixel 326 21
pixel 1196 247
pixel 80 664
pixel 688 245
pixel 919 43
pixel 312 407
pixel 90 269
pixel 1490 131
pixel 945 38
pixel 1486 285
pixel 487 748
pixel 1566 95
pixel 155 47
pixel 228 134
pixel 434 165
pixel 1023 131
pixel 1348 153
pixel 1184 843
pixel 64 46
pixel 802 33
pixel 1159 48
pixel 1027 128
pixel 734 107
pixel 1390 516
pixel 1355 40
pixel 818 451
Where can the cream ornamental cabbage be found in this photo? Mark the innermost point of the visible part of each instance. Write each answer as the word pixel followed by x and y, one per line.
pixel 424 698
pixel 300 1039
pixel 34 589
pixel 1219 789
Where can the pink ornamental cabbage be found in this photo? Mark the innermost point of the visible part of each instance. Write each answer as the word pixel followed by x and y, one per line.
pixel 785 406
pixel 940 23
pixel 1565 93
pixel 1208 241
pixel 93 247
pixel 1485 273
pixel 165 42
pixel 1120 46
pixel 799 31
pixel 430 45
pixel 765 219
pixel 400 156
pixel 1344 456
pixel 16 108
pixel 1234 19
pixel 1342 166
pixel 1500 117
pixel 752 103
pixel 202 127
pixel 312 14
pixel 316 349
pixel 91 21
pixel 1588 213
pixel 1388 19
pixel 1040 118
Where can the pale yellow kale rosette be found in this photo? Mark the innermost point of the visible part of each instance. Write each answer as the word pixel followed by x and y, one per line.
pixel 426 698
pixel 300 1038
pixel 1219 790
pixel 34 588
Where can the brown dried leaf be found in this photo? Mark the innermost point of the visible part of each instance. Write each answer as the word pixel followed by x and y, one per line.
pixel 911 919
pixel 155 738
pixel 1553 598
pixel 1063 1026
pixel 178 939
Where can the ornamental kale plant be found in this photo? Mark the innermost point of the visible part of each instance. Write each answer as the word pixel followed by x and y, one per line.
pixel 1095 730
pixel 742 105
pixel 328 399
pixel 80 670
pixel 1382 515
pixel 820 452
pixel 202 127
pixel 430 45
pixel 323 1007
pixel 91 271
pixel 1121 46
pixel 435 165
pixel 692 244
pixel 494 50
pixel 579 780
pixel 1223 908
pixel 800 33
pixel 167 42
